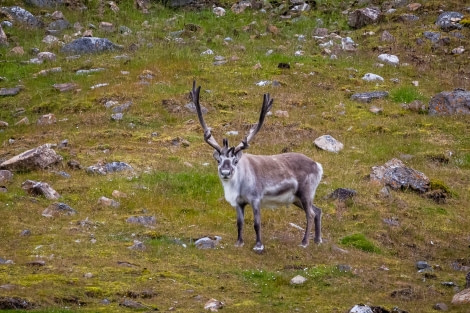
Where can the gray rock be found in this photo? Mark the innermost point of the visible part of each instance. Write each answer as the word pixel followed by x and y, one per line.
pixel 123 107
pixel 58 25
pixel 448 103
pixel 47 119
pixel 342 194
pixel 432 36
pixel 207 242
pixel 137 245
pixel 396 175
pixel 361 308
pixel 15 303
pixel 108 202
pixel 40 189
pixel 44 3
pixel 448 21
pixel 328 143
pixel 440 307
pixel 369 96
pixel 420 265
pixel 192 108
pixel 58 208
pixel 5 176
pixel 37 158
pixel 362 17
pixel 64 87
pixel 462 297
pixel 3 37
pixel 298 280
pixel 389 59
pixel 387 37
pixel 111 167
pixel 89 45
pixel 23 16
pixel 10 91
pixel 142 220
pixel 117 116
pixel 370 77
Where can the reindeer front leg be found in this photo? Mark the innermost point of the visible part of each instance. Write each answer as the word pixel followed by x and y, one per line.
pixel 240 221
pixel 259 247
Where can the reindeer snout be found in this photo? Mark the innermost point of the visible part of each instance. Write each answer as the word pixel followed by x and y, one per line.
pixel 225 172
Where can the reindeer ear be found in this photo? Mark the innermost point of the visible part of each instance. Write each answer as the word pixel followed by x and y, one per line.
pixel 216 155
pixel 239 154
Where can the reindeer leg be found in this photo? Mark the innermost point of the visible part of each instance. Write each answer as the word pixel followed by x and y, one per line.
pixel 240 221
pixel 304 203
pixel 318 214
pixel 259 247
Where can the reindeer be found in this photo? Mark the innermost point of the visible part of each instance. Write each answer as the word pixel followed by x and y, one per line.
pixel 264 181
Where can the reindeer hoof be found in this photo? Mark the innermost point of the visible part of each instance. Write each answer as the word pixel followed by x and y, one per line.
pixel 239 244
pixel 318 240
pixel 303 245
pixel 258 248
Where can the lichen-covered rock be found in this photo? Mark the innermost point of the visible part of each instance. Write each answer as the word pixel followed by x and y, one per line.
pixel 448 103
pixel 23 16
pixel 448 21
pixel 37 158
pixel 397 176
pixel 111 167
pixel 362 17
pixel 40 189
pixel 89 45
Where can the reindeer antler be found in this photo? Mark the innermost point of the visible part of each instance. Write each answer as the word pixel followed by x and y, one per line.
pixel 265 108
pixel 194 94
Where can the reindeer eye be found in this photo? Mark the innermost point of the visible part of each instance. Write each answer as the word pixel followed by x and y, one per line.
pixel 235 161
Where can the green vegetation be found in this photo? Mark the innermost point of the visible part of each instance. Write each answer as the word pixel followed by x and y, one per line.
pixel 359 241
pixel 88 264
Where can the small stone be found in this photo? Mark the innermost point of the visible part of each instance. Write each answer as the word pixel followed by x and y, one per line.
pixel 389 59
pixel 281 114
pixel 298 280
pixel 422 265
pixel 207 242
pixel 108 202
pixel 213 305
pixel 370 77
pixel 142 220
pixel 47 119
pixel 328 143
pixel 376 110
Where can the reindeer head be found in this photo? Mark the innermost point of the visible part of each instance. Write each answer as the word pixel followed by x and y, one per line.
pixel 228 157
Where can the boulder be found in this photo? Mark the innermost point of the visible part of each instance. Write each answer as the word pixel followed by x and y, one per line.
pixel 448 21
pixel 362 17
pixel 448 103
pixel 23 16
pixel 89 45
pixel 397 176
pixel 37 158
